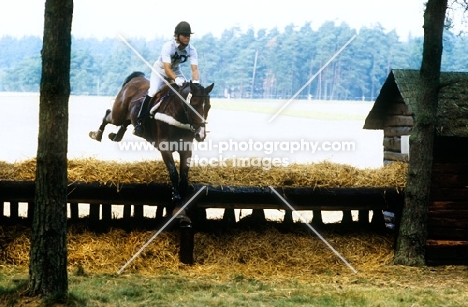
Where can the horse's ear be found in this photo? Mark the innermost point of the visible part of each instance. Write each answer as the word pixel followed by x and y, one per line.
pixel 209 88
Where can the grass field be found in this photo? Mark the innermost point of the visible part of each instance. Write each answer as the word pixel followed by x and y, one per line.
pixel 174 289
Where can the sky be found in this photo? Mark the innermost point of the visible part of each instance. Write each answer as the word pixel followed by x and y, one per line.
pixel 152 18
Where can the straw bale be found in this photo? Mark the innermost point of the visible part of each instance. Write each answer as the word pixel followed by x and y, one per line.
pixel 268 254
pixel 321 174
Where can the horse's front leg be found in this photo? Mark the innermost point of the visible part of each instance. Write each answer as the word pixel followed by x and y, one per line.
pixel 185 157
pixel 174 176
pixel 97 135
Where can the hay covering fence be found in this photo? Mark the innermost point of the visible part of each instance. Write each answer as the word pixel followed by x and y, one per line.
pixel 323 174
pixel 267 255
pixel 317 186
pixel 321 186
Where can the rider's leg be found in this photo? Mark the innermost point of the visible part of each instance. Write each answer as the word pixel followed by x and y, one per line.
pixel 139 131
pixel 155 84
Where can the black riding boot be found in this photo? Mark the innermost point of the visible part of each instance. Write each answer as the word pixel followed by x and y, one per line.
pixel 139 129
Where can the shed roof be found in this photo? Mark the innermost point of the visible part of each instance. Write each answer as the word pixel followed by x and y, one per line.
pixel 402 85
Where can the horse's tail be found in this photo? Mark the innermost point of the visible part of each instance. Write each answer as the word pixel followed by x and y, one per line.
pixel 133 75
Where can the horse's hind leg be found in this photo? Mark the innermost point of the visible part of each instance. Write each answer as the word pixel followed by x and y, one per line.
pixel 97 135
pixel 117 137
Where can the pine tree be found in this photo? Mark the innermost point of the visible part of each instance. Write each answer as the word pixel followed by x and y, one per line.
pixel 48 254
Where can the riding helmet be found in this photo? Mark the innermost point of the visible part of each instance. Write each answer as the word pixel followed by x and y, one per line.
pixel 183 27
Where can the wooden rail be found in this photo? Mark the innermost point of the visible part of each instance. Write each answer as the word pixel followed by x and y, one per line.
pixel 103 196
pixel 303 198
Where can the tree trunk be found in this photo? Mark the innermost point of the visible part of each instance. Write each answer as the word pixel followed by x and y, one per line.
pixel 48 254
pixel 411 242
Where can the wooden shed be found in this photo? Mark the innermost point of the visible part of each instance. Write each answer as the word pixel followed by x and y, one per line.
pixel 448 209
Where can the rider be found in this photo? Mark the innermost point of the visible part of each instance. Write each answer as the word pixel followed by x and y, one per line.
pixel 173 53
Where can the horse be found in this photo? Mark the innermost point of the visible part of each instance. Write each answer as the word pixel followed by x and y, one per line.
pixel 177 117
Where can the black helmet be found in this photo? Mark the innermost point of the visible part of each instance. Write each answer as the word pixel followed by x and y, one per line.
pixel 183 28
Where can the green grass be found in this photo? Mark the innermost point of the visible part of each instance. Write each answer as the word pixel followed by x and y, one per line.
pixel 172 289
pixel 11 285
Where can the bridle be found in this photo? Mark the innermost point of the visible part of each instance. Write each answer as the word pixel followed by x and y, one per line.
pixel 186 105
pixel 162 116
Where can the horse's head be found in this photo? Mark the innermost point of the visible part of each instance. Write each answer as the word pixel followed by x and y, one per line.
pixel 200 106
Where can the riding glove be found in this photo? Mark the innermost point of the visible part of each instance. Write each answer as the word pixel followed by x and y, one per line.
pixel 179 81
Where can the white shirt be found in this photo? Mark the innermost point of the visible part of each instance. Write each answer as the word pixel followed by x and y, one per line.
pixel 170 53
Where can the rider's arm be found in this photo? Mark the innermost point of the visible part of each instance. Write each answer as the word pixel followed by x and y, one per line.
pixel 195 73
pixel 194 63
pixel 169 72
pixel 167 52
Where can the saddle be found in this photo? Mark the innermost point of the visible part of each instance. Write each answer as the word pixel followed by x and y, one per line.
pixel 153 107
pixel 163 93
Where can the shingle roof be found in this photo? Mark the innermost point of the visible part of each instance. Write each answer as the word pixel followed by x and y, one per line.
pixel 401 85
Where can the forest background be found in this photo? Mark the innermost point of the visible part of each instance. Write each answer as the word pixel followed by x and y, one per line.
pixel 264 64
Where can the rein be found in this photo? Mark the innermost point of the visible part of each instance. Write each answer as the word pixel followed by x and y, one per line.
pixel 187 102
pixel 172 121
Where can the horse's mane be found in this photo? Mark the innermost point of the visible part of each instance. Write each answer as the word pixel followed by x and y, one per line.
pixel 167 90
pixel 133 75
pixel 164 91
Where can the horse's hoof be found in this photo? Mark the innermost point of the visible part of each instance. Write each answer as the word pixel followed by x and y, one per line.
pixel 115 137
pixel 179 215
pixel 139 131
pixel 185 222
pixel 96 135
pixel 112 136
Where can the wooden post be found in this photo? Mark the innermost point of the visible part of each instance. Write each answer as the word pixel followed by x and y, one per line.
pixel 127 212
pixel 288 219
pixel 106 212
pixel 159 212
pixel 317 217
pixel 258 215
pixel 94 213
pixel 347 217
pixel 186 243
pixel 138 212
pixel 74 212
pixel 229 218
pixel 14 210
pixel 363 217
pixel 30 212
pixel 377 221
pixel 198 216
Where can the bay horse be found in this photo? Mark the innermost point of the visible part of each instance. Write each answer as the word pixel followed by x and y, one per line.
pixel 178 116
